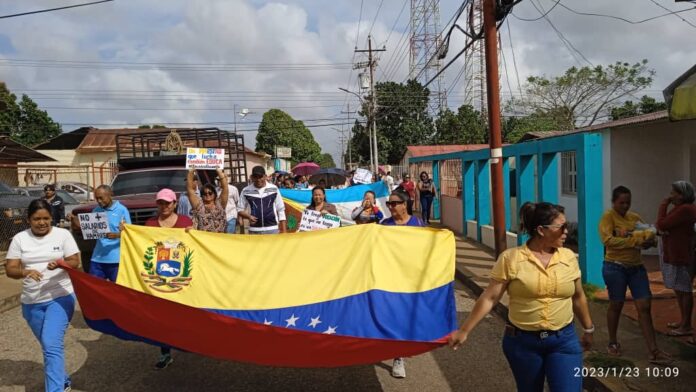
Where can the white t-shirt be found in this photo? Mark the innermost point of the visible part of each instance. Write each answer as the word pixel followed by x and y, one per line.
pixel 232 201
pixel 35 253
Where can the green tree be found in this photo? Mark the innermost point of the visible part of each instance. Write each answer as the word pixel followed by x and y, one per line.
pixel 467 126
pixel 326 161
pixel 153 126
pixel 402 119
pixel 582 95
pixel 644 106
pixel 278 128
pixel 24 121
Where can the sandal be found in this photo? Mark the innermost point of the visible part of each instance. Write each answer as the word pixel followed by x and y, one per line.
pixel 680 332
pixel 614 349
pixel 673 325
pixel 659 357
pixel 691 341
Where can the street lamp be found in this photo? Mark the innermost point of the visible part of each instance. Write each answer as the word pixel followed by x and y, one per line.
pixel 374 155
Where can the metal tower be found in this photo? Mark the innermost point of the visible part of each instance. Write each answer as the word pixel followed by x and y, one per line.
pixel 424 43
pixel 474 85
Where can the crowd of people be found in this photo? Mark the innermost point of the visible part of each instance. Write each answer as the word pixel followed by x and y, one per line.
pixel 542 278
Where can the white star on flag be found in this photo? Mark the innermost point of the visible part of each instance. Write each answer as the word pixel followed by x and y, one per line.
pixel 331 330
pixel 266 322
pixel 291 321
pixel 315 322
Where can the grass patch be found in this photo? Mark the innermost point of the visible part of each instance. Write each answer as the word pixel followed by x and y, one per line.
pixel 591 290
pixel 599 360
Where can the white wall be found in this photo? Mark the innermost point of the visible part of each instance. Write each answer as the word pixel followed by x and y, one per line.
pixel 648 158
pixel 451 214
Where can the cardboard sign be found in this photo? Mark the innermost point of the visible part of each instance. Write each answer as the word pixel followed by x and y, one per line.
pixel 362 176
pixel 315 220
pixel 94 225
pixel 205 158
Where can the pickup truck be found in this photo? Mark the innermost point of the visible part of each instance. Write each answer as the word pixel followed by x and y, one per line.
pixel 146 167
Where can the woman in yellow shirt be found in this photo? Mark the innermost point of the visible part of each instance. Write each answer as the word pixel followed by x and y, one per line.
pixel 542 279
pixel 623 268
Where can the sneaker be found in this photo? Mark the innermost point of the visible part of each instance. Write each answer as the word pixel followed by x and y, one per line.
pixel 398 368
pixel 67 388
pixel 164 361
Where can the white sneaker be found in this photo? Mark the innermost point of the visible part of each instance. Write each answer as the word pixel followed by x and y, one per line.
pixel 398 368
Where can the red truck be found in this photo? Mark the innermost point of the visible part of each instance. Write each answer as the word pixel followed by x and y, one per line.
pixel 152 160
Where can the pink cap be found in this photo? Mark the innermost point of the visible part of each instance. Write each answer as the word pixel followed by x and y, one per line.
pixel 166 194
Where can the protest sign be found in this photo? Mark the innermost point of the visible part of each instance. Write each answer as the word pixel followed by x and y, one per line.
pixel 315 220
pixel 205 158
pixel 362 176
pixel 94 225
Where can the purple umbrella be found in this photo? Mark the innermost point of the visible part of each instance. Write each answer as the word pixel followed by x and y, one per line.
pixel 305 169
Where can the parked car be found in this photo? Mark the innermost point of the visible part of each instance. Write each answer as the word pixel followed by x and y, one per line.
pixel 13 217
pixel 37 192
pixel 78 190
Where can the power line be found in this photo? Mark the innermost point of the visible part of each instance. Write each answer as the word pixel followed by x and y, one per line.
pixel 619 17
pixel 375 18
pixel 542 16
pixel 514 61
pixel 54 9
pixel 678 16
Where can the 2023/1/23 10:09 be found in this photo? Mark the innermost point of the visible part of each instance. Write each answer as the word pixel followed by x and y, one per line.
pixel 634 372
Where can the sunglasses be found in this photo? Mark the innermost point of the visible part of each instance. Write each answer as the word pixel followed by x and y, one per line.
pixel 394 203
pixel 207 193
pixel 563 227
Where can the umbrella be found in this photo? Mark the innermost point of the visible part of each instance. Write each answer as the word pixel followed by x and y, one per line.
pixel 332 177
pixel 305 169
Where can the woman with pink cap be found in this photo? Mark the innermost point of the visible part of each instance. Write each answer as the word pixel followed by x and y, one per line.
pixel 167 217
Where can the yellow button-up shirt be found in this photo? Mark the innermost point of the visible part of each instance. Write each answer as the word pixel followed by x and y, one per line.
pixel 621 239
pixel 540 298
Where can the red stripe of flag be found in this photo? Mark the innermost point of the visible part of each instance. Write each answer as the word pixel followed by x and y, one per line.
pixel 214 335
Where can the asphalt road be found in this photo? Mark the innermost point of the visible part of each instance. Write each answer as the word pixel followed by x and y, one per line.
pixel 102 363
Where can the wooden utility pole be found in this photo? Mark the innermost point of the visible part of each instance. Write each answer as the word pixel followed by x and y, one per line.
pixel 495 138
pixel 372 63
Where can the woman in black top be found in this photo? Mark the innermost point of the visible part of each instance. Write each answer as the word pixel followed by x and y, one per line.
pixel 426 189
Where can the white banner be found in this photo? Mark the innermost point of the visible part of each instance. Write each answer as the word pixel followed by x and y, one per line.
pixel 94 225
pixel 315 220
pixel 205 158
pixel 362 176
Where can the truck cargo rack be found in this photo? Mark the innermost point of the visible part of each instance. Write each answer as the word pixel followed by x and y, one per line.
pixel 167 147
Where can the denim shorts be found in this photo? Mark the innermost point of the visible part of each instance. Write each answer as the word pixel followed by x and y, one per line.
pixel 618 277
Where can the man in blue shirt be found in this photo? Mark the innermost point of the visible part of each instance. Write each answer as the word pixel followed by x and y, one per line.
pixel 107 253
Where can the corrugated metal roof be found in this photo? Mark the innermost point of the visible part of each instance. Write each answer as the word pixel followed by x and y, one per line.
pixel 420 151
pixel 13 151
pixel 640 119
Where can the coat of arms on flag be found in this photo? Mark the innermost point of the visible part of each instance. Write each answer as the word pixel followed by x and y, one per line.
pixel 167 266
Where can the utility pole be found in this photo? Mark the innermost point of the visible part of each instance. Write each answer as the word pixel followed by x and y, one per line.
pixel 495 138
pixel 350 137
pixel 372 63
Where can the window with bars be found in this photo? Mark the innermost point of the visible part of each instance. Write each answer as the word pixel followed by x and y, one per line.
pixel 569 173
pixel 451 178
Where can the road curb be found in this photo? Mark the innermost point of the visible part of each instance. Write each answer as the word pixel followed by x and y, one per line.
pixel 590 384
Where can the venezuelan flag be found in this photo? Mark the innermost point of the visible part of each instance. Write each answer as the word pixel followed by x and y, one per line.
pixel 327 298
pixel 345 199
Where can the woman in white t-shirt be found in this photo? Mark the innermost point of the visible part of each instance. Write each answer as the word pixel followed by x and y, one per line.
pixel 47 297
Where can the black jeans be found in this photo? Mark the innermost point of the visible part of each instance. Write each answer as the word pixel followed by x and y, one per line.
pixel 426 202
pixel 409 206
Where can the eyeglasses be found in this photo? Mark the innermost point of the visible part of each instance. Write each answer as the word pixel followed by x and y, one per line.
pixel 563 226
pixel 207 193
pixel 394 203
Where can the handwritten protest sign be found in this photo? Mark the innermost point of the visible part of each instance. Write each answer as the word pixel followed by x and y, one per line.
pixel 94 225
pixel 362 176
pixel 315 220
pixel 205 158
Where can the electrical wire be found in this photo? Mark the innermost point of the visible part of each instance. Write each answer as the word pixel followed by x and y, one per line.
pixel 54 9
pixel 678 16
pixel 619 17
pixel 543 15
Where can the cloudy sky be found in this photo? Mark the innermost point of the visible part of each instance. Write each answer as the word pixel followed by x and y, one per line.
pixel 193 62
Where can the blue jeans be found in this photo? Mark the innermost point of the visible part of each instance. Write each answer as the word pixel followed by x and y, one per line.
pixel 426 203
pixel 48 321
pixel 107 271
pixel 554 358
pixel 618 277
pixel 232 226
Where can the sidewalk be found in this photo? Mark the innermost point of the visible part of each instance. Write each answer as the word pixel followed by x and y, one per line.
pixel 474 262
pixel 10 289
